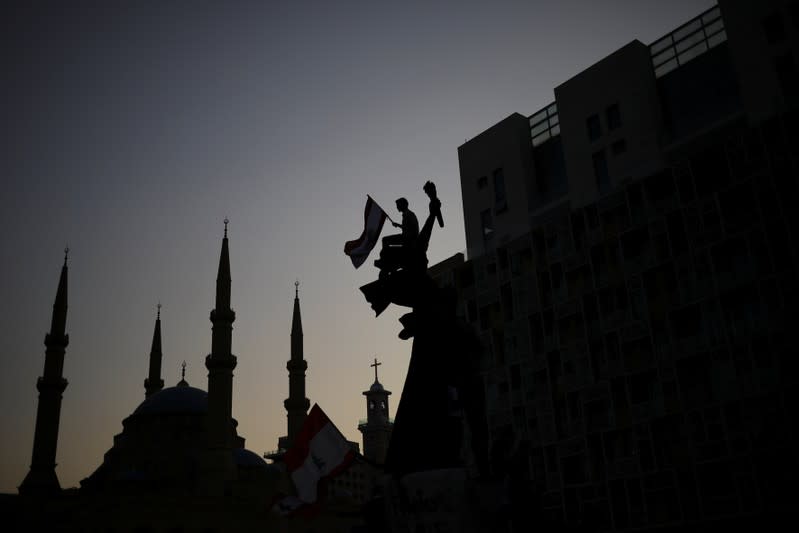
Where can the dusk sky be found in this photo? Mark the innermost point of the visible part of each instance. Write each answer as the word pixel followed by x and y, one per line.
pixel 132 129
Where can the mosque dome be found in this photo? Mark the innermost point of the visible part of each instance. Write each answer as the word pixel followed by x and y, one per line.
pixel 248 459
pixel 181 399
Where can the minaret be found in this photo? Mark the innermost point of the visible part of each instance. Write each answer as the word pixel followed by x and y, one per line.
pixel 378 426
pixel 154 383
pixel 296 404
pixel 220 364
pixel 42 479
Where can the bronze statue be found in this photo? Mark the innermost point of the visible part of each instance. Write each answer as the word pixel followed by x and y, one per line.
pixel 444 355
pixel 403 259
pixel 435 204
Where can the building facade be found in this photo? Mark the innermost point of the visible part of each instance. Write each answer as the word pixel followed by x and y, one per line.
pixel 632 262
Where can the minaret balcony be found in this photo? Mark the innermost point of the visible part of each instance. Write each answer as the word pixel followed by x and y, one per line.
pixel 220 362
pixel 156 383
pixel 292 404
pixel 49 384
pixel 294 365
pixel 225 316
pixel 56 341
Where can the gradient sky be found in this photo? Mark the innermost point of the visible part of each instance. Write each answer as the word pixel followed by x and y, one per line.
pixel 130 132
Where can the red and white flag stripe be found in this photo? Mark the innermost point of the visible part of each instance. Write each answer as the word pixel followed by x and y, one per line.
pixel 319 451
pixel 373 219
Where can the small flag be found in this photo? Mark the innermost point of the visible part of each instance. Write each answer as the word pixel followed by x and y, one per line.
pixel 373 219
pixel 319 451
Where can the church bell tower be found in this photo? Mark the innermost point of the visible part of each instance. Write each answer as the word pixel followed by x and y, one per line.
pixel 377 428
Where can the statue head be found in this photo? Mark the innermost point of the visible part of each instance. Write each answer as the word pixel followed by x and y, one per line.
pixel 402 204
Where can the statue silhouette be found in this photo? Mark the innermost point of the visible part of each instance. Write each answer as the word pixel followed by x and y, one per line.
pixel 443 357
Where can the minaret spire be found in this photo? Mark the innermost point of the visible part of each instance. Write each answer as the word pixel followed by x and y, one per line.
pixel 183 382
pixel 296 319
pixel 220 364
pixel 223 276
pixel 41 478
pixel 154 382
pixel 296 404
pixel 59 321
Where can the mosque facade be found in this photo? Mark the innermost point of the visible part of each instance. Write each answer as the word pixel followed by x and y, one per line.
pixel 179 463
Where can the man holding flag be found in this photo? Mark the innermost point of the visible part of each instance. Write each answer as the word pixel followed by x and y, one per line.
pixel 402 244
pixel 409 225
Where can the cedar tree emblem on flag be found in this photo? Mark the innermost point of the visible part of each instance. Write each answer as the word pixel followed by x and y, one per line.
pixel 373 219
pixel 319 451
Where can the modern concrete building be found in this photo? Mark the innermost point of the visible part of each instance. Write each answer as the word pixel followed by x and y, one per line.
pixel 631 264
pixel 630 115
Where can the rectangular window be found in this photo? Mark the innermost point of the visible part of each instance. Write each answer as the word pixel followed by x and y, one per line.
pixel 618 147
pixel 773 28
pixel 613 114
pixel 592 217
pixel 487 222
pixel 506 295
pixel 594 127
pixel 601 171
pixel 515 377
pixel 471 310
pixel 484 317
pixel 500 199
pixel 787 75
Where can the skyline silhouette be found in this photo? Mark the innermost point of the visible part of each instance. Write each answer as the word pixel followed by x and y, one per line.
pixel 133 132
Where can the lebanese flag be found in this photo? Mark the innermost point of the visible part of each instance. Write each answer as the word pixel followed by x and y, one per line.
pixel 319 451
pixel 373 219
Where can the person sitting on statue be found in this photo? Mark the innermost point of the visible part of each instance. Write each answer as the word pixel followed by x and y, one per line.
pixel 409 225
pixel 399 250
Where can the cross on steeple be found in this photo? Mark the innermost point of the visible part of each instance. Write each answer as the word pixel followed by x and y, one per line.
pixel 375 365
pixel 183 371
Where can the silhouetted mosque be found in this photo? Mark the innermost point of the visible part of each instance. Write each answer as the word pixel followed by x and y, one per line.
pixel 179 462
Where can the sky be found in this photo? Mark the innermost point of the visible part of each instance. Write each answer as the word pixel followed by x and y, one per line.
pixel 132 129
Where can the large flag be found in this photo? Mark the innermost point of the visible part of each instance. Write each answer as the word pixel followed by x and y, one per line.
pixel 373 219
pixel 319 451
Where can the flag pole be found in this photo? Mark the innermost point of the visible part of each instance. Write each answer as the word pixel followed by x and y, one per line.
pixel 381 208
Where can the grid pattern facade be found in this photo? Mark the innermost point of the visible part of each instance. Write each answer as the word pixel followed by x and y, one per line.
pixel 544 124
pixel 690 40
pixel 638 363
